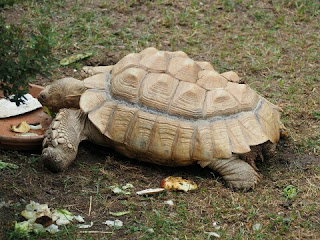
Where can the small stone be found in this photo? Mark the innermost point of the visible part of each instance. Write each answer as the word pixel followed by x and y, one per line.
pixel 61 134
pixel 169 202
pixel 62 140
pixel 256 227
pixel 54 134
pixel 70 146
pixel 150 230
pixel 55 143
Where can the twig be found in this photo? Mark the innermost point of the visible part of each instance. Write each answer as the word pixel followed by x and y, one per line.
pixel 89 232
pixel 90 204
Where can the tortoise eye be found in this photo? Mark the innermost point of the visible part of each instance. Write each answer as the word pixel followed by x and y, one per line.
pixel 42 96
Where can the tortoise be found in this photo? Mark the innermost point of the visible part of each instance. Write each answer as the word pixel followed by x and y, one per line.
pixel 165 108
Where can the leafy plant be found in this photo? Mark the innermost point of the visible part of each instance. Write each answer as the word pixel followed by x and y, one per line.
pixel 290 192
pixel 22 57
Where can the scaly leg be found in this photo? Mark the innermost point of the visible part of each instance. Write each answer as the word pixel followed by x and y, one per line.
pixel 60 145
pixel 238 173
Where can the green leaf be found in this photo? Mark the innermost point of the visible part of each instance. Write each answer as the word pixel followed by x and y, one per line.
pixel 119 214
pixel 290 192
pixel 74 58
pixel 8 165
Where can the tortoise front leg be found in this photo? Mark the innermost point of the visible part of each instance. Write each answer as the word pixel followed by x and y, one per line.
pixel 60 145
pixel 237 173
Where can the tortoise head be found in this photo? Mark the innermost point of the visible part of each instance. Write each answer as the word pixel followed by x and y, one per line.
pixel 63 93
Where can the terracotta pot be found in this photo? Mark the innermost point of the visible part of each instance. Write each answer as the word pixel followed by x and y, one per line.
pixel 31 143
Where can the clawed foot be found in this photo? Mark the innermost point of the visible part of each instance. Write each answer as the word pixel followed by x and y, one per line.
pixel 88 71
pixel 60 144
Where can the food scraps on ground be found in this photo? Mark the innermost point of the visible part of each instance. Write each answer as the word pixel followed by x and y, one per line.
pixel 121 189
pixel 116 223
pixel 178 184
pixel 40 218
pixel 22 127
pixel 150 191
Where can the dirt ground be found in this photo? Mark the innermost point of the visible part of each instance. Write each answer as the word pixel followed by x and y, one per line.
pixel 274 47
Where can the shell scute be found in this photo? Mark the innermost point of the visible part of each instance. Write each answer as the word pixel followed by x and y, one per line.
pixel 183 148
pixel 163 137
pixel 210 80
pixel 246 97
pixel 129 61
pixel 188 100
pixel 155 62
pixel 118 128
pixel 220 102
pixel 157 90
pixel 184 69
pixel 139 136
pixel 126 84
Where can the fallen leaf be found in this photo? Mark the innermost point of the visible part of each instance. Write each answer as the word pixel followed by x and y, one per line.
pixel 74 58
pixel 118 214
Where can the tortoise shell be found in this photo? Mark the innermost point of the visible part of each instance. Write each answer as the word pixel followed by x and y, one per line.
pixel 177 109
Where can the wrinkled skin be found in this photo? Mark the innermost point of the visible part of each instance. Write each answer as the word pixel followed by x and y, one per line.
pixel 64 93
pixel 71 126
